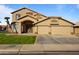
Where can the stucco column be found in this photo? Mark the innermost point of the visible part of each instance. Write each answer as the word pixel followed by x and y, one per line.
pixel 19 28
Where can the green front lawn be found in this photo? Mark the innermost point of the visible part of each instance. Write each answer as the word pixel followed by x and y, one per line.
pixel 16 39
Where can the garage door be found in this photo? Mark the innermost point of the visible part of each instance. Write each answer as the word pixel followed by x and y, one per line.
pixel 43 30
pixel 62 30
pixel 76 30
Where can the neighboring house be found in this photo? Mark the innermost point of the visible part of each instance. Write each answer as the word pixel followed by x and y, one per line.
pixel 26 20
pixel 2 28
pixel 76 28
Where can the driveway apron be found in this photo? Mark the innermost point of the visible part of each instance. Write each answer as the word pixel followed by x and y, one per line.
pixel 50 39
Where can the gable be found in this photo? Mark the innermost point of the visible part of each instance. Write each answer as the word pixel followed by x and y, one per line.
pixel 20 11
pixel 61 20
pixel 55 21
pixel 26 11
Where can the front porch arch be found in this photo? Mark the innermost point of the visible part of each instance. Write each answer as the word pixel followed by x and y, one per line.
pixel 26 26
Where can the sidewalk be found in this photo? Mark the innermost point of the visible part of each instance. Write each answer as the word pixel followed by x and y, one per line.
pixel 40 49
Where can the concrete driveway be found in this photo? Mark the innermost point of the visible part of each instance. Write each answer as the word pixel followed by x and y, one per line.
pixel 53 39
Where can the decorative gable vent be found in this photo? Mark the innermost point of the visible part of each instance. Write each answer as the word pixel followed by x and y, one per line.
pixel 29 13
pixel 54 22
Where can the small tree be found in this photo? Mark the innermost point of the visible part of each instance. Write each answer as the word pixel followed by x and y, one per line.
pixel 7 20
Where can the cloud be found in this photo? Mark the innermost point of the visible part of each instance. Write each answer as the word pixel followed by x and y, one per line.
pixel 5 12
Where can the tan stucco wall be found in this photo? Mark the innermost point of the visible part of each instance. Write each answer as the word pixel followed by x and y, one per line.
pixel 34 29
pixel 46 22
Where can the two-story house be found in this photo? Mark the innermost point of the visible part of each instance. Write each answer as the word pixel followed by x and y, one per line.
pixel 26 20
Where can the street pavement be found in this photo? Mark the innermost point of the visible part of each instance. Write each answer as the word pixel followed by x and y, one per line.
pixel 44 45
pixel 37 49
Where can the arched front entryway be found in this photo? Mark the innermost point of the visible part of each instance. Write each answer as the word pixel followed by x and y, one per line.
pixel 26 26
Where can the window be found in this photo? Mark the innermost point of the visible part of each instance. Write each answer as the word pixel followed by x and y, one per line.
pixel 18 16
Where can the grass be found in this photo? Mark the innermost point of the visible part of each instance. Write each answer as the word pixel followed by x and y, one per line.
pixel 16 39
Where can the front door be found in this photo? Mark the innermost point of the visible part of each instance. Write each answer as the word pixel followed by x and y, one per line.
pixel 28 28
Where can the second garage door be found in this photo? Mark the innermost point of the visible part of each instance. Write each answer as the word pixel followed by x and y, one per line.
pixel 62 30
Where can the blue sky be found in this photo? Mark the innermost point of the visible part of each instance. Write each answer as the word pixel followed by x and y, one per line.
pixel 67 11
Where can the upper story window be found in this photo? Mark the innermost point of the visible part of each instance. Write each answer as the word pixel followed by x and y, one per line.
pixel 18 16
